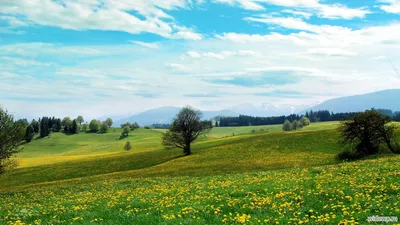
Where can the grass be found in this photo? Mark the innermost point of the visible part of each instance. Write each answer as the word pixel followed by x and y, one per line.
pixel 346 193
pixel 260 176
pixel 234 154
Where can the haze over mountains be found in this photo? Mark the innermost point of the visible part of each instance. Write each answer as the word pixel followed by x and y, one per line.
pixel 388 99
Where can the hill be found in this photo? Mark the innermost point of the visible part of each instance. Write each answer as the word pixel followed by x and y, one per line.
pixel 206 189
pixel 164 115
pixel 388 99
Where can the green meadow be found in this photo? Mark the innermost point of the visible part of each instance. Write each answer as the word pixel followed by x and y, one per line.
pixel 236 175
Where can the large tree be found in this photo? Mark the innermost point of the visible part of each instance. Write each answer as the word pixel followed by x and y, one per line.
pixel 80 120
pixel 367 131
pixel 9 137
pixel 109 122
pixel 186 128
pixel 66 122
pixel 94 126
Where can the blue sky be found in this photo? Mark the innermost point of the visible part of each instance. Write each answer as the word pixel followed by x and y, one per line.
pixel 115 57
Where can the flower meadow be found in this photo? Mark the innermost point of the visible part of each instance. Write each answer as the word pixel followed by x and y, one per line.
pixel 345 193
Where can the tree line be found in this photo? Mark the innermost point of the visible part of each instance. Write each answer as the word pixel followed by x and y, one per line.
pixel 314 116
pixel 44 126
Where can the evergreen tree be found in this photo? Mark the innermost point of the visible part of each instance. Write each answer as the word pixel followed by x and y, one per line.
pixel 74 127
pixel 57 125
pixel 29 133
pixel 35 125
pixel 44 127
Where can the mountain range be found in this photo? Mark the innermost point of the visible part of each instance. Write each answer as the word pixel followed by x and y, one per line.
pixel 388 99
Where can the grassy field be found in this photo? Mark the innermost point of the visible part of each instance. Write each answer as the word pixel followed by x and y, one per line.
pixel 236 175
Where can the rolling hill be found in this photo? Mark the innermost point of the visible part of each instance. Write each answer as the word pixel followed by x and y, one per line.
pixel 263 176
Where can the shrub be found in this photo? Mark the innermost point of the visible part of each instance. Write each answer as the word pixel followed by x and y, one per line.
pixel 305 121
pixel 287 126
pixel 128 146
pixel 8 165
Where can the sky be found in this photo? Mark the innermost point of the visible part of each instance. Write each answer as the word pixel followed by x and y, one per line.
pixel 119 57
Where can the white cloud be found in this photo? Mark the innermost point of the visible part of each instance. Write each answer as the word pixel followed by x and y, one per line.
pixel 13 21
pixel 330 52
pixel 30 49
pixel 221 55
pixel 176 66
pixel 102 15
pixel 146 44
pixel 24 62
pixel 331 11
pixel 298 13
pixel 390 6
pixel 194 54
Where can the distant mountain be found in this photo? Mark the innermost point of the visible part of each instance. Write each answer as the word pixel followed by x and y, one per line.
pixel 267 109
pixel 388 99
pixel 165 115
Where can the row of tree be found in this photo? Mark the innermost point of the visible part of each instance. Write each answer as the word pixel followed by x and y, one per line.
pixel 45 125
pixel 314 116
pixel 296 124
pixel 243 120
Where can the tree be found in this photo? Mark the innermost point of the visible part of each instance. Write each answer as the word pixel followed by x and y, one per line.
pixel 74 127
pixel 104 127
pixel 125 132
pixel 9 138
pixel 35 125
pixel 57 125
pixel 216 123
pixel 125 124
pixel 66 122
pixel 128 146
pixel 44 127
pixel 299 124
pixel 94 126
pixel 29 133
pixel 305 121
pixel 134 126
pixel 109 122
pixel 287 126
pixel 186 128
pixel 366 131
pixel 85 127
pixel 294 125
pixel 80 120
